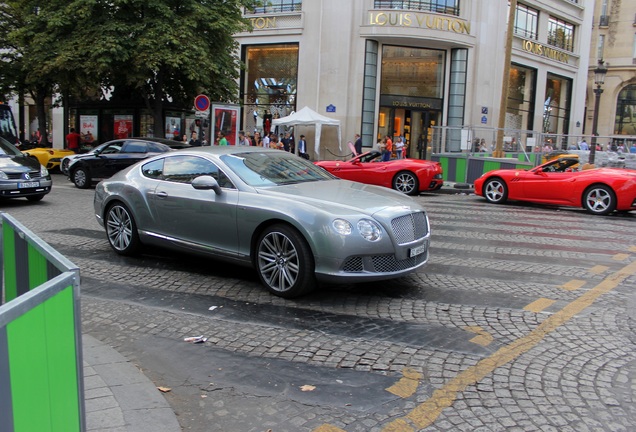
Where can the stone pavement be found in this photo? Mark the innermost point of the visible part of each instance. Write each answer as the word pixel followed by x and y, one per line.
pixel 118 396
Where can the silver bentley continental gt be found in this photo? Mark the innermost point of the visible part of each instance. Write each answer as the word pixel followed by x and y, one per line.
pixel 292 221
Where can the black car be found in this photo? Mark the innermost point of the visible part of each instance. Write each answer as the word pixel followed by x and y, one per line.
pixel 110 158
pixel 20 175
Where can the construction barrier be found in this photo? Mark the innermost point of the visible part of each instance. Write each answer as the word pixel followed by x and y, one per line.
pixel 41 369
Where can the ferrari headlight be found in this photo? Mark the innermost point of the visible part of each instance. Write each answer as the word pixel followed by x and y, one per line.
pixel 369 230
pixel 342 227
pixel 43 171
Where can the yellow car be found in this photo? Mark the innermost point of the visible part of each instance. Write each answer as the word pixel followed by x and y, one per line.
pixel 49 157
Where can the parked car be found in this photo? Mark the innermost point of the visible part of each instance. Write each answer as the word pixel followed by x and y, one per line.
pixel 113 156
pixel 409 176
pixel 558 182
pixel 21 175
pixel 49 157
pixel 68 160
pixel 293 222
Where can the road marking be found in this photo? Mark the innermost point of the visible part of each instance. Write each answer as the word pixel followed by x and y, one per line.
pixel 572 285
pixel 599 269
pixel 407 385
pixel 483 338
pixel 427 413
pixel 632 249
pixel 328 428
pixel 620 257
pixel 539 305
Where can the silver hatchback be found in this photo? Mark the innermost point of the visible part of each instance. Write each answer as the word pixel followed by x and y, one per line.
pixel 292 221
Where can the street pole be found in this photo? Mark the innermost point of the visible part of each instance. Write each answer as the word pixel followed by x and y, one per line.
pixel 597 92
pixel 505 82
pixel 599 79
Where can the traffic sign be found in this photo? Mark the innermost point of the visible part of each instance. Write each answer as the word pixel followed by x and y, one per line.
pixel 202 103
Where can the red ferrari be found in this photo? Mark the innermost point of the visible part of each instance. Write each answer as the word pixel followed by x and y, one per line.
pixel 559 182
pixel 409 176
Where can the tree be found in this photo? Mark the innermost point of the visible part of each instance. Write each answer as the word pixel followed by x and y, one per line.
pixel 159 51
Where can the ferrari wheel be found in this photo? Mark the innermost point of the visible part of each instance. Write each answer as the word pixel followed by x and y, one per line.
pixel 81 178
pixel 121 230
pixel 599 200
pixel 496 191
pixel 284 262
pixel 406 182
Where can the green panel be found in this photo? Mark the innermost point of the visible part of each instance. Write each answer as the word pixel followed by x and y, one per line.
pixel 491 165
pixel 43 367
pixel 460 170
pixel 444 161
pixel 29 372
pixel 8 251
pixel 37 268
pixel 62 359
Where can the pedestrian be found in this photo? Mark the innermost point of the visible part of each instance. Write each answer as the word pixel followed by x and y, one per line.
pixel 73 141
pixel 357 144
pixel 194 139
pixel 583 145
pixel 286 142
pixel 302 148
pixel 222 139
pixel 256 140
pixel 388 149
pixel 632 148
pixel 266 140
pixel 399 147
pixel 243 140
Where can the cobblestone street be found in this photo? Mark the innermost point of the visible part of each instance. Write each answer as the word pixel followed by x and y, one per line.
pixel 523 320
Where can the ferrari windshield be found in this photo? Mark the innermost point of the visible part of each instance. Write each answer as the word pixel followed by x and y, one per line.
pixel 274 168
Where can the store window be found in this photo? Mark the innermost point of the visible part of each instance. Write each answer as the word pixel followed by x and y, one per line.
pixel 556 106
pixel 561 34
pixel 625 123
pixel 274 6
pixel 269 84
pixel 408 71
pixel 526 21
pixel 450 7
pixel 521 98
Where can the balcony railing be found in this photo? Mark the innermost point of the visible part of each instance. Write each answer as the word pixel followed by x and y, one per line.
pixel 277 7
pixel 450 7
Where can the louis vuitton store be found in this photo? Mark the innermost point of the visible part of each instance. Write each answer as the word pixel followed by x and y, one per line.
pixel 397 68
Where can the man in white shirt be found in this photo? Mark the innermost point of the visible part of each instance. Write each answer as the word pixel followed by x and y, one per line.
pixel 266 141
pixel 583 145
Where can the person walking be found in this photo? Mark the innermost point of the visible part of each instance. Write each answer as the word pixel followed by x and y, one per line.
pixel 73 140
pixel 243 140
pixel 399 147
pixel 357 144
pixel 388 149
pixel 302 148
pixel 222 139
pixel 194 139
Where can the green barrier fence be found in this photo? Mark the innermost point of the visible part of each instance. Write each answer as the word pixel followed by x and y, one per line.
pixel 41 380
pixel 467 167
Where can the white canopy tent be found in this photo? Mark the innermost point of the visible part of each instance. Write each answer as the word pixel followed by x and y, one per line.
pixel 309 117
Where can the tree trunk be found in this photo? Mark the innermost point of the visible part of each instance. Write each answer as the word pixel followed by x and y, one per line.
pixel 157 107
pixel 40 105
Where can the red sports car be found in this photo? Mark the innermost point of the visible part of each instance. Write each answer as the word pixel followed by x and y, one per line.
pixel 409 176
pixel 559 182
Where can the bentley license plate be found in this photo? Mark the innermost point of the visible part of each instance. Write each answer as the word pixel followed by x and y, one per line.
pixel 417 251
pixel 28 185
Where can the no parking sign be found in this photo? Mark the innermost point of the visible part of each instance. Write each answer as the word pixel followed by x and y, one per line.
pixel 202 103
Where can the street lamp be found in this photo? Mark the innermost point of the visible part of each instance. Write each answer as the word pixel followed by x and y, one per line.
pixel 599 79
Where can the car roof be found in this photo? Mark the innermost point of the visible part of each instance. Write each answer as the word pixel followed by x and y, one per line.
pixel 170 143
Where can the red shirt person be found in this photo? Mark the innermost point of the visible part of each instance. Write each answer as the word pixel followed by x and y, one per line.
pixel 73 140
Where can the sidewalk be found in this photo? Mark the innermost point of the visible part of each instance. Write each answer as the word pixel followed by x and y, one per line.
pixel 118 396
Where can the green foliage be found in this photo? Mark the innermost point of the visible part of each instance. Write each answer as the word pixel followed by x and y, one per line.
pixel 158 50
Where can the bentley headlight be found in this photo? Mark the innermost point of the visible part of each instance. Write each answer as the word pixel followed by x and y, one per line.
pixel 43 171
pixel 3 176
pixel 342 227
pixel 369 230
